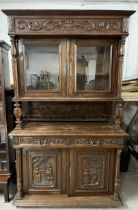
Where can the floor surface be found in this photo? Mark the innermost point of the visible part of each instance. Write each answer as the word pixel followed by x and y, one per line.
pixel 128 192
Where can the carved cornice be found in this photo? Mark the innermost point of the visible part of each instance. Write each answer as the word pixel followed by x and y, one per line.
pixel 68 25
pixel 47 141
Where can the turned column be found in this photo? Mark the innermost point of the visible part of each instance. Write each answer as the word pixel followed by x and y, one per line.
pixel 17 105
pixel 117 173
pixel 19 173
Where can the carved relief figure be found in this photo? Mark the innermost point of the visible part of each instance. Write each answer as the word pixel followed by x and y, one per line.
pixel 90 177
pixel 43 172
pixel 36 174
pixel 49 175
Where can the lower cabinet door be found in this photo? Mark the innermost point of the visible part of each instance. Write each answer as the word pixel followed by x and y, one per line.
pixel 91 172
pixel 44 171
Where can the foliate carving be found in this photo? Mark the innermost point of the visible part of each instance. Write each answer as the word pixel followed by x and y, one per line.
pixel 45 141
pixel 62 26
pixel 43 172
pixel 92 175
pixel 68 25
pixel 125 25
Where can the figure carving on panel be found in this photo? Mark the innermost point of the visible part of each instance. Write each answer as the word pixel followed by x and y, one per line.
pixel 90 177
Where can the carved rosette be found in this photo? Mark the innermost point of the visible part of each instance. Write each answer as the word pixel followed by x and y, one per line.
pixel 66 25
pixel 63 141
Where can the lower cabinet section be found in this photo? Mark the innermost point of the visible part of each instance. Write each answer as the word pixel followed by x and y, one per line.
pixel 68 171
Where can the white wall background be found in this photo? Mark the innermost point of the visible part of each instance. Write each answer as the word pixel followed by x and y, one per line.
pixel 131 55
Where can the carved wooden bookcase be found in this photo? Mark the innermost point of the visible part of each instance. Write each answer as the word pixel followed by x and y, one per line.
pixel 67 68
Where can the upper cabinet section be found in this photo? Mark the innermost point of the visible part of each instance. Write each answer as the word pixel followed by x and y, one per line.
pixel 67 55
pixel 67 22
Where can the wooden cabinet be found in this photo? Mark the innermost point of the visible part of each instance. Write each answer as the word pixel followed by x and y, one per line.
pixel 67 68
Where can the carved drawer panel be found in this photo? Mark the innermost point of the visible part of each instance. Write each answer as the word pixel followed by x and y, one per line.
pixel 91 172
pixel 46 171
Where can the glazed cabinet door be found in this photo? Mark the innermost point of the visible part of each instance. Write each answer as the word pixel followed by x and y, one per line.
pixel 93 68
pixel 91 172
pixel 42 64
pixel 44 171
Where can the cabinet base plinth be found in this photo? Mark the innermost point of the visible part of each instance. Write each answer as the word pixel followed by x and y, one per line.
pixel 65 201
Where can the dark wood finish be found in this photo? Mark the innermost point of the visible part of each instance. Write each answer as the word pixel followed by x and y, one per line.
pixel 6 121
pixel 68 140
pixel 91 172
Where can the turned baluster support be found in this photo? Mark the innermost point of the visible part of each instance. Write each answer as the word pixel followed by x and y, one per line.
pixel 18 114
pixel 118 114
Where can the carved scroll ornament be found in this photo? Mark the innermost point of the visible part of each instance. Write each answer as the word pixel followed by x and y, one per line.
pixel 62 26
pixel 46 141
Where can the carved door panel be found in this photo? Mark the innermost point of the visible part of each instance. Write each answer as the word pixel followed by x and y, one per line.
pixel 42 67
pixel 91 172
pixel 46 171
pixel 92 72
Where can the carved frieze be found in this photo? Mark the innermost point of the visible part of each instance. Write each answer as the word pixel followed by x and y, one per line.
pixel 65 25
pixel 49 140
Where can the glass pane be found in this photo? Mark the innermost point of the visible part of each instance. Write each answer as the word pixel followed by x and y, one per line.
pixel 42 66
pixel 93 68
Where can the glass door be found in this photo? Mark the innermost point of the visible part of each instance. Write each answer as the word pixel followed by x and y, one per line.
pixel 91 68
pixel 43 67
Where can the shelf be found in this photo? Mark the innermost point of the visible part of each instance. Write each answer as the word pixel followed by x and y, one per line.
pixel 67 99
pixel 68 129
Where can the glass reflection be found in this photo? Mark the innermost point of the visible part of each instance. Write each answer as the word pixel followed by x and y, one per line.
pixel 93 68
pixel 42 68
